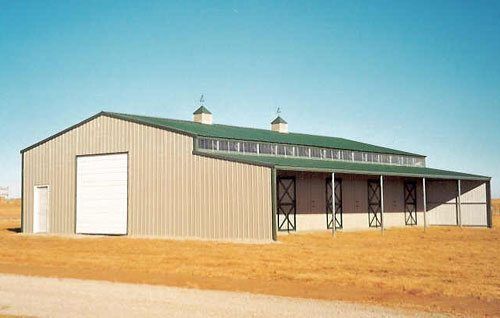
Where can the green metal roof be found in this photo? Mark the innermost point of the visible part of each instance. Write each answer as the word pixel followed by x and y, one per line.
pixel 253 134
pixel 279 120
pixel 298 164
pixel 241 133
pixel 202 110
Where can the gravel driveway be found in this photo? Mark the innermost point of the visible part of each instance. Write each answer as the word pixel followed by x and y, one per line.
pixel 52 297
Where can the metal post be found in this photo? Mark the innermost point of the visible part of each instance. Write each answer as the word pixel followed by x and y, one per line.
pixel 459 204
pixel 274 204
pixel 333 203
pixel 424 191
pixel 489 212
pixel 382 204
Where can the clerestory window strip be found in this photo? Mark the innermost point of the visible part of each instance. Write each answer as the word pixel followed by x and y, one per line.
pixel 287 150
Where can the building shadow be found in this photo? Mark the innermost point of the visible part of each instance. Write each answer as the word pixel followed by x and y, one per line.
pixel 14 229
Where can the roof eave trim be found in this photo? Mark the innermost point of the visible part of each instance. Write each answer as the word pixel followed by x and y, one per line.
pixel 396 174
pixel 140 122
pixel 110 115
pixel 222 157
pixel 62 132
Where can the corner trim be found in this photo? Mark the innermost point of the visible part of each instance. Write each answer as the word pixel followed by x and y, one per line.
pixel 489 213
pixel 22 192
pixel 273 204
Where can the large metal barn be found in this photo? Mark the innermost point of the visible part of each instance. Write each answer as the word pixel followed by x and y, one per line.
pixel 121 174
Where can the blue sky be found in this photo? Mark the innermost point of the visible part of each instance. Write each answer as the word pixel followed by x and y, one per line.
pixel 418 76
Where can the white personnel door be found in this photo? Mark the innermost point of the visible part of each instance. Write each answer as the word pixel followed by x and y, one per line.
pixel 41 209
pixel 101 194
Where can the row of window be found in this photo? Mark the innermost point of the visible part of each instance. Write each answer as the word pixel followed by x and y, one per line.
pixel 250 147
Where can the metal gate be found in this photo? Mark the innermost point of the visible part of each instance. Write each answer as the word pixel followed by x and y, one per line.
pixel 338 203
pixel 410 193
pixel 286 204
pixel 374 204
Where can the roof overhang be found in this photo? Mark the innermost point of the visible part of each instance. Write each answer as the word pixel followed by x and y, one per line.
pixel 337 166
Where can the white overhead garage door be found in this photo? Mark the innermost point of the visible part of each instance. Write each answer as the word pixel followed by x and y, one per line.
pixel 101 194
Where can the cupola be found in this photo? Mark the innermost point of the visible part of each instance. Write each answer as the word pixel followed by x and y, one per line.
pixel 279 125
pixel 202 115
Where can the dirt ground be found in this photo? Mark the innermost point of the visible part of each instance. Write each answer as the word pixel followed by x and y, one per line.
pixel 444 269
pixel 66 297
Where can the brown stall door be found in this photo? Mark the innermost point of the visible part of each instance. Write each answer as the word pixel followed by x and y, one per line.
pixel 286 204
pixel 410 193
pixel 338 203
pixel 374 204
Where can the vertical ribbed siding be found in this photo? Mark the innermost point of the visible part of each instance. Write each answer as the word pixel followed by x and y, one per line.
pixel 172 193
pixel 473 192
pixel 474 209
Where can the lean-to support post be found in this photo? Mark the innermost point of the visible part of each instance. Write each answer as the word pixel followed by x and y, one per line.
pixel 333 204
pixel 459 203
pixel 424 193
pixel 274 204
pixel 489 212
pixel 382 204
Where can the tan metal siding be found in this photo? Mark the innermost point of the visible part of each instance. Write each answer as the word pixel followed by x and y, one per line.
pixel 172 193
pixel 442 202
pixel 473 192
pixel 474 205
pixel 441 192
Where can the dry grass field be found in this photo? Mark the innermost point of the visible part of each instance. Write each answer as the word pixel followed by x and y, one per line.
pixel 443 269
pixel 495 204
